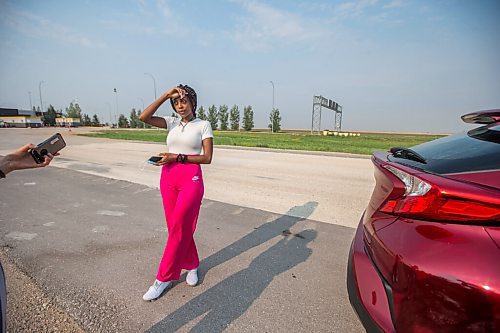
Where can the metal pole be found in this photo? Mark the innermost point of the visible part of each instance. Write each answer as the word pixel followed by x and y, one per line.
pixel 116 115
pixel 340 120
pixel 143 124
pixel 312 116
pixel 40 91
pixel 272 112
pixel 142 102
pixel 154 82
pixel 320 109
pixel 31 104
pixel 110 117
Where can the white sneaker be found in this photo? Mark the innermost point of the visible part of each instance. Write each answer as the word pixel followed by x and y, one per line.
pixel 156 290
pixel 192 277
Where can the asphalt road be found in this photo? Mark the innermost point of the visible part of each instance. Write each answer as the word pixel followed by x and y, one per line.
pixel 92 241
pixel 262 179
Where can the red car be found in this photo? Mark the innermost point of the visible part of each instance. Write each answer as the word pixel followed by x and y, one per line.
pixel 426 254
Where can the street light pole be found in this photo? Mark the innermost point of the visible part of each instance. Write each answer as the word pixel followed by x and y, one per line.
pixel 142 102
pixel 154 82
pixel 143 124
pixel 272 112
pixel 40 91
pixel 110 117
pixel 116 115
pixel 31 104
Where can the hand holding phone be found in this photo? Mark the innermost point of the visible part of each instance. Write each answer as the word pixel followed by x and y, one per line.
pixel 50 146
pixel 154 160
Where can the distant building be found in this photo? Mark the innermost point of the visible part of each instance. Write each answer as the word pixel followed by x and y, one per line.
pixel 19 118
pixel 67 122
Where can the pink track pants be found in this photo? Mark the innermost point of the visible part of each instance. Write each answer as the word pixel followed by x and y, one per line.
pixel 181 187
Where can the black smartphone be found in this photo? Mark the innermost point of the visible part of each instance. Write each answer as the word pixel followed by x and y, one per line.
pixel 154 159
pixel 52 145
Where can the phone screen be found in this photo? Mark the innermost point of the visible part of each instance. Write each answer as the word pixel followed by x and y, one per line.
pixel 154 159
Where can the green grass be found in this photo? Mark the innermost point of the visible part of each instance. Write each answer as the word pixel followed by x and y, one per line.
pixel 364 144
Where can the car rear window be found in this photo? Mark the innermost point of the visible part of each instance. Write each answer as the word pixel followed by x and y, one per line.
pixel 475 150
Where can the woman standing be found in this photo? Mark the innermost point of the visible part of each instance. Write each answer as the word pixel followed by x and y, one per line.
pixel 181 184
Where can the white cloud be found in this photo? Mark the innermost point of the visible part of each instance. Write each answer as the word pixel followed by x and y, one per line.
pixel 265 25
pixel 172 25
pixel 128 27
pixel 394 4
pixel 165 9
pixel 142 3
pixel 354 8
pixel 37 26
pixel 144 8
pixel 159 18
pixel 370 10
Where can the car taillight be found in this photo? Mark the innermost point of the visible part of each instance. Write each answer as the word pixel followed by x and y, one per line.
pixel 423 200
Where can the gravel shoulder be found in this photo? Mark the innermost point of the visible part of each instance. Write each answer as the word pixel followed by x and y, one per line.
pixel 29 309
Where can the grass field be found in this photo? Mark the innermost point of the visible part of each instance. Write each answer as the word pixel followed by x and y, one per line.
pixel 364 144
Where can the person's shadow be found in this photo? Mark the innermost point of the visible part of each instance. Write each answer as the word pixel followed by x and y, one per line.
pixel 230 298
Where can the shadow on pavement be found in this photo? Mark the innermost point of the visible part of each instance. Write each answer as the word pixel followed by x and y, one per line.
pixel 229 299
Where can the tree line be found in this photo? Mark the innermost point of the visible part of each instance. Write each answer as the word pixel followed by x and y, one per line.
pixel 72 111
pixel 220 118
pixel 230 120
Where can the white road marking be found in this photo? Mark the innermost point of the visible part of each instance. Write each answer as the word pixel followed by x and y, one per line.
pixel 238 211
pixel 119 205
pixel 21 235
pixel 111 213
pixel 100 228
pixel 272 218
pixel 143 190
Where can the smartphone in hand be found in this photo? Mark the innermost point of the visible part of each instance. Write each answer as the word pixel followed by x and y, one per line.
pixel 52 145
pixel 154 160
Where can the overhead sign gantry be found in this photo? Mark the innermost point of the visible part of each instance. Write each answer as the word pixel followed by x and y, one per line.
pixel 318 103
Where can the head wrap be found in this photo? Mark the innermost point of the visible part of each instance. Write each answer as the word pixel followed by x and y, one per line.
pixel 190 94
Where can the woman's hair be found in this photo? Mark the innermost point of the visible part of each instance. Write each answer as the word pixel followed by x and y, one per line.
pixel 190 94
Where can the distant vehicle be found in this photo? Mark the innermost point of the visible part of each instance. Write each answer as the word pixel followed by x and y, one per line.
pixel 426 253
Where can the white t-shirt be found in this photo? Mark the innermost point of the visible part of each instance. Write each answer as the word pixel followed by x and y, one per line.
pixel 187 138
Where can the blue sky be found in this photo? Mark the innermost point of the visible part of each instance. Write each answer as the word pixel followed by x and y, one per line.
pixel 394 65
